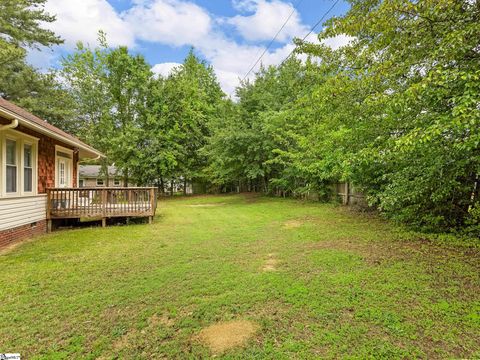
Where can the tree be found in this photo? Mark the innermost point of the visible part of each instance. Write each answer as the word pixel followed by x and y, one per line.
pixel 192 101
pixel 110 89
pixel 20 28
pixel 41 93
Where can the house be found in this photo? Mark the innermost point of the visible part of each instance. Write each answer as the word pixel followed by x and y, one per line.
pixel 91 176
pixel 34 156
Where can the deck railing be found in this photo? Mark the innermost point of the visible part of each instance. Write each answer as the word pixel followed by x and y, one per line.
pixel 106 202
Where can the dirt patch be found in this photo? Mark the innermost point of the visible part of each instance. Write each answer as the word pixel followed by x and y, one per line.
pixel 156 320
pixel 270 265
pixel 227 335
pixel 205 205
pixel 292 224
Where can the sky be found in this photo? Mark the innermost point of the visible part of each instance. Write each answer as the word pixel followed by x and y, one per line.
pixel 229 34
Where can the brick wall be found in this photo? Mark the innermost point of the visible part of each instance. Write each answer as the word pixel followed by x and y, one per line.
pixel 16 234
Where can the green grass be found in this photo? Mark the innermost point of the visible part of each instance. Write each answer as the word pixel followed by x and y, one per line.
pixel 345 286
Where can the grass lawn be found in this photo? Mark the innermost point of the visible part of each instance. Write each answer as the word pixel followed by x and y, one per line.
pixel 317 281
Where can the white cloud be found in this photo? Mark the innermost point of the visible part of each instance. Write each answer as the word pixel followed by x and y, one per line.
pixel 81 21
pixel 338 41
pixel 267 19
pixel 165 69
pixel 168 21
pixel 180 23
pixel 245 5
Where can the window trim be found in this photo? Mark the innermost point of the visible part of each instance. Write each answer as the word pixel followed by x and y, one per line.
pixel 103 182
pixel 21 140
pixel 68 151
pixel 32 160
pixel 117 182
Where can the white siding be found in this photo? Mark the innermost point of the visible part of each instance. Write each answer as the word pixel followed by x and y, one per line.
pixel 22 211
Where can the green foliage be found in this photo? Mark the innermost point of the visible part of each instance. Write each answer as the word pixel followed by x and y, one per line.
pixel 20 27
pixel 110 88
pixel 152 128
pixel 396 112
pixel 40 93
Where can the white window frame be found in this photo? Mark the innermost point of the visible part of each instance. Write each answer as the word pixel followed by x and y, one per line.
pixel 65 150
pixel 21 140
pixel 100 179
pixel 117 182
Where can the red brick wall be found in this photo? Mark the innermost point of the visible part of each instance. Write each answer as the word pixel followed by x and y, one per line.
pixel 46 157
pixel 10 236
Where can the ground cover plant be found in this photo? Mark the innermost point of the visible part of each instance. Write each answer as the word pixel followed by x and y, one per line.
pixel 290 279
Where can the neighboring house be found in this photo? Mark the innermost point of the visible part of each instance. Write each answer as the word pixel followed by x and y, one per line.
pixel 91 176
pixel 34 156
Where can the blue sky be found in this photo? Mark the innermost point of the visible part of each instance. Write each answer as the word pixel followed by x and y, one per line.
pixel 229 34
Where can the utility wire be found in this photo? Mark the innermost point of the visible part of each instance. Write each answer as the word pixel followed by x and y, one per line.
pixel 281 28
pixel 311 30
pixel 272 41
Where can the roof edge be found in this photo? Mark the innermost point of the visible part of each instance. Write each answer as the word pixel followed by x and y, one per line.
pixel 43 130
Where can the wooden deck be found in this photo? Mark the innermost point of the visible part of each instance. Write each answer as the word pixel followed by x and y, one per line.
pixel 101 203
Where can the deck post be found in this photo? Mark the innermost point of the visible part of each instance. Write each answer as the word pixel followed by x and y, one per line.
pixel 49 211
pixel 152 204
pixel 104 207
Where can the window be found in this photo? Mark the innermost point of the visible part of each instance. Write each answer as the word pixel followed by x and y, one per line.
pixel 81 183
pixel 18 164
pixel 63 167
pixel 116 182
pixel 99 182
pixel 61 173
pixel 11 166
pixel 27 168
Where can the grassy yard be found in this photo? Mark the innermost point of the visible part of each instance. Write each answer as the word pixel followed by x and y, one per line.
pixel 315 280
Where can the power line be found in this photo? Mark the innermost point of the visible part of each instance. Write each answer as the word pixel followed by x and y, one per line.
pixel 274 38
pixel 311 30
pixel 278 32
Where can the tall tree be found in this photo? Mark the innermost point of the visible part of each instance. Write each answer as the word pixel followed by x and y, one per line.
pixel 110 88
pixel 21 29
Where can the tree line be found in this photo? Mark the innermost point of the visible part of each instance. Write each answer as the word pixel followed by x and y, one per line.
pixel 396 111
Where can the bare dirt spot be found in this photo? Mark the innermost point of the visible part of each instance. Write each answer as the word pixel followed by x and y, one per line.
pixel 227 335
pixel 270 265
pixel 205 205
pixel 292 224
pixel 164 320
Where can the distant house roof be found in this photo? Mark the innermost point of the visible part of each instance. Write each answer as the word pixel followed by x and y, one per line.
pixel 94 171
pixel 12 111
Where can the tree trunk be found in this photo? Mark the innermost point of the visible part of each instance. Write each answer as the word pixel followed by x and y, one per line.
pixel 162 186
pixel 184 186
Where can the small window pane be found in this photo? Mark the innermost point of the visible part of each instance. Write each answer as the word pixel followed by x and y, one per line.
pixel 27 168
pixel 11 179
pixel 28 174
pixel 27 155
pixel 11 152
